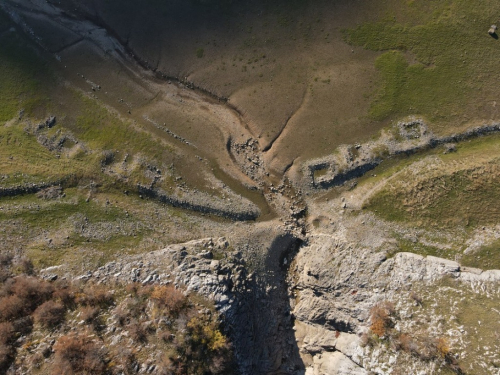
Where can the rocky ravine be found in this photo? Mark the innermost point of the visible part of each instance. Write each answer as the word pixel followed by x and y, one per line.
pixel 254 305
pixel 314 323
pixel 296 299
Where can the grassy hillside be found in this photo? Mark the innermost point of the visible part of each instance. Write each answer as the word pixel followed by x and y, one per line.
pixel 84 209
pixel 437 61
pixel 451 195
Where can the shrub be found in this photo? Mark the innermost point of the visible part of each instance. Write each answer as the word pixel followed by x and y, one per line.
pixel 26 266
pixel 89 314
pixel 380 316
pixel 206 347
pixel 31 290
pixel 6 259
pixel 133 288
pixel 406 343
pixel 36 360
pixel 23 325
pixel 165 366
pixel 442 347
pixel 50 314
pixel 6 333
pixel 7 355
pixel 122 316
pixel 169 298
pixel 11 307
pixel 108 156
pixel 4 274
pixel 95 295
pixel 78 354
pixel 64 294
pixel 125 362
pixel 432 348
pixel 138 332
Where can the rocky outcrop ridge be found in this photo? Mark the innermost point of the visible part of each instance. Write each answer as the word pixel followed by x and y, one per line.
pixel 407 137
pixel 239 209
pixel 335 284
pixel 254 305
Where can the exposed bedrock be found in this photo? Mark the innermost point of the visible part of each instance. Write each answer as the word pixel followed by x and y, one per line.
pixel 242 209
pixel 247 282
pixel 335 283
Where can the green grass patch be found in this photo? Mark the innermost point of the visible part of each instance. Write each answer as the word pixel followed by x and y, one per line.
pixel 463 197
pixel 23 160
pixel 22 74
pixel 471 311
pixel 439 60
pixel 415 88
pixel 419 248
pixel 104 130
pixel 50 214
pixel 80 250
pixel 62 230
pixel 487 257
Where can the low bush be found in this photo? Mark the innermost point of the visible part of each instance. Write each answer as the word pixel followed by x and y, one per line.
pixel 89 314
pixel 137 332
pixel 169 298
pixel 6 259
pixel 50 314
pixel 11 307
pixel 125 362
pixel 380 316
pixel 25 266
pixel 205 347
pixel 31 290
pixel 424 346
pixel 64 293
pixel 78 354
pixel 95 295
pixel 185 338
pixel 6 333
pixel 7 355
pixel 23 325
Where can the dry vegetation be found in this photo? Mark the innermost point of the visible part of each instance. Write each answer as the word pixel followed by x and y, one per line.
pixel 422 345
pixel 68 328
